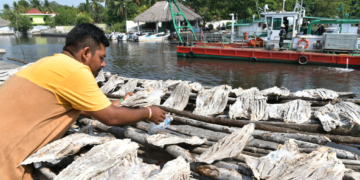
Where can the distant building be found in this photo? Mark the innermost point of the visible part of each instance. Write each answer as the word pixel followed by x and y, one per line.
pixel 37 17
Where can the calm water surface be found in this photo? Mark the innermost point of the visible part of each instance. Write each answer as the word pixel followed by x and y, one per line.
pixel 159 61
pixel 156 60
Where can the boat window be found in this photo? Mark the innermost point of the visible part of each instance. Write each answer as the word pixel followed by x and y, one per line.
pixel 268 20
pixel 276 23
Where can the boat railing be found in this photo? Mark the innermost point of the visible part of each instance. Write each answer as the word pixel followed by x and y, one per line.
pixel 224 36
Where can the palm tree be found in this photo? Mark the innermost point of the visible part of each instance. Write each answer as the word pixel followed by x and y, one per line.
pixel 36 4
pixel 16 9
pixel 120 7
pixel 6 6
pixel 24 6
pixel 95 4
pixel 47 7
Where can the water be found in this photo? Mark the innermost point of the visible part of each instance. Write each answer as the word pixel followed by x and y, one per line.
pixel 153 60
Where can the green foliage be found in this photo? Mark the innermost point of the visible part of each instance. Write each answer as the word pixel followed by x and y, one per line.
pixel 23 23
pixel 83 18
pixel 66 16
pixel 228 27
pixel 118 27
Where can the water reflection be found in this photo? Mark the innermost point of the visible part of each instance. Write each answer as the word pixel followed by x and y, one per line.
pixel 158 60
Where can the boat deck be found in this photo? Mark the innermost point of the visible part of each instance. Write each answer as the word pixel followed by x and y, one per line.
pixel 236 51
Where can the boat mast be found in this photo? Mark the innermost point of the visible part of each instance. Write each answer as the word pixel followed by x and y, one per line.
pixel 180 13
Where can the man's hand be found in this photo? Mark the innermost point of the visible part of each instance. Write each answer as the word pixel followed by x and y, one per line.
pixel 158 115
pixel 127 95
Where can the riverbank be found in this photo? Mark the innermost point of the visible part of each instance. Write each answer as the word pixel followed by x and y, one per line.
pixel 6 66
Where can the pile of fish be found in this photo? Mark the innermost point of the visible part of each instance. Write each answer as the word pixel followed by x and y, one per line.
pixel 217 133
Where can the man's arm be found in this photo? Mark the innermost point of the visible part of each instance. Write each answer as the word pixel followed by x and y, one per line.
pixel 121 116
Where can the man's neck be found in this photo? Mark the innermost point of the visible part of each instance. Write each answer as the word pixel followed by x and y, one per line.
pixel 69 54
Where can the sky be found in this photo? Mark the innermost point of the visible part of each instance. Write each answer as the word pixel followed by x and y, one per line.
pixel 63 2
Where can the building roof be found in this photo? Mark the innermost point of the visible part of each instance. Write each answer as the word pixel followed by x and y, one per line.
pixel 4 23
pixel 156 13
pixel 34 11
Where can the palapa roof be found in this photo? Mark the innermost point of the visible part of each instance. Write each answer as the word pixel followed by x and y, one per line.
pixel 4 23
pixel 156 13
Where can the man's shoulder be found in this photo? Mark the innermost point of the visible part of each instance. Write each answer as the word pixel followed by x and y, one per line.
pixel 61 61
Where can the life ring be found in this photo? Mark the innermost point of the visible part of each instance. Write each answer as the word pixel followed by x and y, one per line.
pixel 191 54
pixel 300 61
pixel 307 42
pixel 253 59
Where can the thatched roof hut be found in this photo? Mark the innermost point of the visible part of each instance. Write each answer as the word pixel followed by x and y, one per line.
pixel 4 23
pixel 156 13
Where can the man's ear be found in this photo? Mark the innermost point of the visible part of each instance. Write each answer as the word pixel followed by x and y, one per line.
pixel 85 55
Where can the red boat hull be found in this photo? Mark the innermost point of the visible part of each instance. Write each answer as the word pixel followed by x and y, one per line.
pixel 232 52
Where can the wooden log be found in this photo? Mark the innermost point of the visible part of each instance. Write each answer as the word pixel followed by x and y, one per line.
pixel 150 154
pixel 264 135
pixel 296 128
pixel 351 176
pixel 18 60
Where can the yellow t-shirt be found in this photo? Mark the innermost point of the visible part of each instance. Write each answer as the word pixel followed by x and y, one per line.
pixel 71 81
pixel 38 104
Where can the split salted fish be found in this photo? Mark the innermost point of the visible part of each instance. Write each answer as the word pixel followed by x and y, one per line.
pixel 98 162
pixel 212 101
pixel 296 111
pixel 111 84
pixel 177 169
pixel 288 163
pixel 275 91
pixel 179 97
pixel 229 146
pixel 127 87
pixel 144 98
pixel 54 152
pixel 345 114
pixel 250 104
pixel 100 77
pixel 172 83
pixel 195 86
pixel 164 139
pixel 237 91
pixel 317 93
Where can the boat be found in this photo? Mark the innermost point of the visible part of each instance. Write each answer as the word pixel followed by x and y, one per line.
pixel 2 52
pixel 339 46
pixel 153 37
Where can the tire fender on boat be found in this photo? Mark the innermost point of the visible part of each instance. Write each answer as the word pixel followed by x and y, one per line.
pixel 307 42
pixel 253 59
pixel 300 61
pixel 191 54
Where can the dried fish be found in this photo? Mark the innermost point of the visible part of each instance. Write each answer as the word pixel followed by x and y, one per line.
pixel 144 98
pixel 111 84
pixel 98 162
pixel 179 98
pixel 297 111
pixel 54 152
pixel 212 101
pixel 317 93
pixel 228 146
pixel 177 169
pixel 344 114
pixel 195 86
pixel 237 91
pixel 164 139
pixel 276 91
pixel 288 163
pixel 250 104
pixel 100 77
pixel 128 87
pixel 172 83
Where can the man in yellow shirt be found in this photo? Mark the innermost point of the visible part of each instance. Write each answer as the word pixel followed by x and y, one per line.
pixel 40 102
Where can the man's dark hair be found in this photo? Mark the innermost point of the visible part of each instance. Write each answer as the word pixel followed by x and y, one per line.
pixel 85 35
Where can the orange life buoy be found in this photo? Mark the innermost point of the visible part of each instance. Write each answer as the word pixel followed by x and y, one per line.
pixel 307 42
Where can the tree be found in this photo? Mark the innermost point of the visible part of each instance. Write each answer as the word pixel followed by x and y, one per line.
pixel 24 6
pixel 47 7
pixel 119 7
pixel 36 4
pixel 95 5
pixel 83 18
pixel 23 23
pixel 66 16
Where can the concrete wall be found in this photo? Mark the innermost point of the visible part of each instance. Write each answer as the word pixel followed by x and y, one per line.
pixel 217 23
pixel 37 19
pixel 131 26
